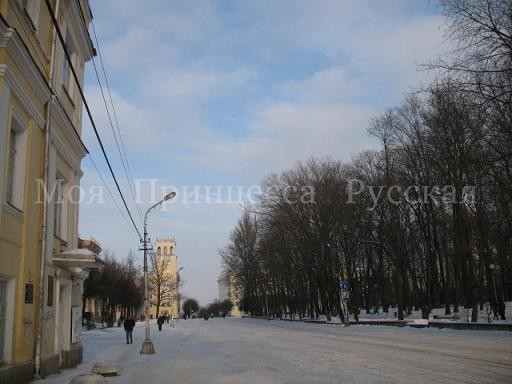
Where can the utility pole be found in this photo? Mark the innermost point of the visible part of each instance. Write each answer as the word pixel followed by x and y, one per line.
pixel 147 344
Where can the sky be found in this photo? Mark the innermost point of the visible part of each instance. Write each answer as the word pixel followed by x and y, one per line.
pixel 212 96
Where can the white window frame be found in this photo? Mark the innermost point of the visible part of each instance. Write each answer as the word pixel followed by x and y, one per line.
pixel 16 163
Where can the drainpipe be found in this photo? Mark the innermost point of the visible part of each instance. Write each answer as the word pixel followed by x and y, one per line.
pixel 42 274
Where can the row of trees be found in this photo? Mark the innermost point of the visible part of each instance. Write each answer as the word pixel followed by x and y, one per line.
pixel 424 221
pixel 215 309
pixel 118 286
pixel 190 306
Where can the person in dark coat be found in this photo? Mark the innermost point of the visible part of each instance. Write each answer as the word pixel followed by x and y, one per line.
pixel 501 309
pixel 128 327
pixel 160 321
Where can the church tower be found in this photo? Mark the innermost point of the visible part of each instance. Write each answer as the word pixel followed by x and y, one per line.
pixel 167 261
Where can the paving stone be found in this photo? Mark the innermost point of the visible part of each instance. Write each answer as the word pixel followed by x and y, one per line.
pixel 88 378
pixel 106 369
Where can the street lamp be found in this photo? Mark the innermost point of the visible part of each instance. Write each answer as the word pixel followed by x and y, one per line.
pixel 147 344
pixel 178 292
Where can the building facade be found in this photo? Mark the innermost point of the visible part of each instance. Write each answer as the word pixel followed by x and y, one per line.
pixel 165 264
pixel 41 266
pixel 228 291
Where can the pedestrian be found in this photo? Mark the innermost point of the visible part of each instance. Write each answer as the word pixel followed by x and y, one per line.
pixel 501 309
pixel 128 327
pixel 160 321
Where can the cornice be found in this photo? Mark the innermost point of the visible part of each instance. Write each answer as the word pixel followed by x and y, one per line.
pixel 22 96
pixel 78 150
pixel 65 153
pixel 83 42
pixel 11 41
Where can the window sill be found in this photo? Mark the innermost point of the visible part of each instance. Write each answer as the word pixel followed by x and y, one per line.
pixel 13 210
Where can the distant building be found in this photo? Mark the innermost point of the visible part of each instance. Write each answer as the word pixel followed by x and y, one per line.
pixel 227 290
pixel 165 253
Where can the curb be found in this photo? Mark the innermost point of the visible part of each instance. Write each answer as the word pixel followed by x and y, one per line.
pixel 405 323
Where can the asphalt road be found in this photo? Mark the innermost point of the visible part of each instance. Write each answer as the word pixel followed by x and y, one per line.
pixel 259 351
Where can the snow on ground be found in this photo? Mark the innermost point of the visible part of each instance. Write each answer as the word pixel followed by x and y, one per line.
pixel 234 350
pixel 438 314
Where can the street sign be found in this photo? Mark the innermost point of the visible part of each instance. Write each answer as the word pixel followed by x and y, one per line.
pixel 345 295
pixel 345 286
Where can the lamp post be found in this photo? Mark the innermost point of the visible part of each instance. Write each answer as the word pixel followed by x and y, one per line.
pixel 147 344
pixel 178 292
pixel 343 278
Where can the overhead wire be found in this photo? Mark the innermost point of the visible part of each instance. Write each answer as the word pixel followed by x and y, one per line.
pixel 119 143
pixel 110 192
pixel 91 119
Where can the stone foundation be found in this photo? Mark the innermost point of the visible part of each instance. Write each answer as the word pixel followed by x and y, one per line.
pixel 17 374
pixel 73 357
pixel 49 365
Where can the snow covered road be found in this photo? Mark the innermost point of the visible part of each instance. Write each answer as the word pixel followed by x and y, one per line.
pixel 258 351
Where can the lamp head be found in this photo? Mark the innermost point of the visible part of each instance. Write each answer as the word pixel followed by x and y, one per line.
pixel 169 196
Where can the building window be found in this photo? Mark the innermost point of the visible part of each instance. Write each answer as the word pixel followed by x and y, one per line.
pixel 10 166
pixel 31 9
pixel 68 81
pixel 59 208
pixel 16 164
pixel 49 301
pixel 3 316
pixel 29 293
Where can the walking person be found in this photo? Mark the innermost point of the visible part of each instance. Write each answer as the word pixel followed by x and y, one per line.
pixel 501 309
pixel 128 327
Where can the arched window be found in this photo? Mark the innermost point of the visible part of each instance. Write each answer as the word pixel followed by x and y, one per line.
pixel 171 251
pixel 159 251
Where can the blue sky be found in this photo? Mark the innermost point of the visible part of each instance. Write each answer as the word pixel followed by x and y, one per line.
pixel 222 93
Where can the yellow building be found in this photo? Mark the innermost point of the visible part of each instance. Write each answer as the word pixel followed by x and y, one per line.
pixel 41 265
pixel 166 261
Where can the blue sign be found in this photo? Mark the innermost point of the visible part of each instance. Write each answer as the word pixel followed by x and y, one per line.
pixel 345 296
pixel 345 286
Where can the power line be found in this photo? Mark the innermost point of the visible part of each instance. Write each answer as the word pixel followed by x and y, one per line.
pixel 120 148
pixel 116 140
pixel 61 39
pixel 110 192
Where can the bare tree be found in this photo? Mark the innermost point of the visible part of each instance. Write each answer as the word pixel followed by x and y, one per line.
pixel 189 306
pixel 162 280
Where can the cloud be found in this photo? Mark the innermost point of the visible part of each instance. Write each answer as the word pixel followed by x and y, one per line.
pixel 223 93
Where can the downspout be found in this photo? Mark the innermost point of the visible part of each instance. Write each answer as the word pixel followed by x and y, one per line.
pixel 42 274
